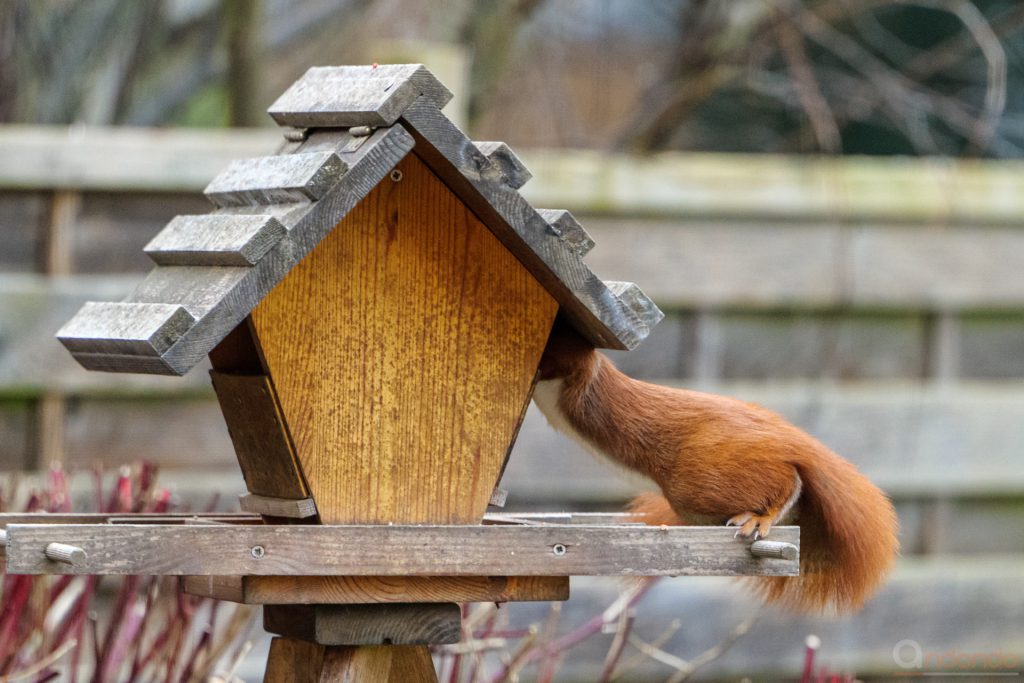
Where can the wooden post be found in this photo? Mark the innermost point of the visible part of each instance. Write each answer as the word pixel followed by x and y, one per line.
pixel 55 258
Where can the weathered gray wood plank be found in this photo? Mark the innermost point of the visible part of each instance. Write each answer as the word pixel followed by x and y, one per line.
pixel 219 297
pixel 215 240
pixel 569 229
pixel 512 167
pixel 646 311
pixel 593 309
pixel 343 96
pixel 386 624
pixel 7 518
pixel 367 165
pixel 313 550
pixel 277 179
pixel 277 507
pixel 140 329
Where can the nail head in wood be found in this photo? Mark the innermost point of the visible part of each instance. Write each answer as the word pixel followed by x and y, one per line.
pixel 68 554
pixel 776 549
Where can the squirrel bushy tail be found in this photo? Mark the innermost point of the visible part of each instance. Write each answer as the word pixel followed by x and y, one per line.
pixel 847 539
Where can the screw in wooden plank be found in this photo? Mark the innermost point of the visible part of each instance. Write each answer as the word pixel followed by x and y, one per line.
pixel 558 549
pixel 62 552
pixel 776 549
pixel 396 176
pixel 258 551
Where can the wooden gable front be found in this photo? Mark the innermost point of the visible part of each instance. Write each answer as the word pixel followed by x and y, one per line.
pixel 402 350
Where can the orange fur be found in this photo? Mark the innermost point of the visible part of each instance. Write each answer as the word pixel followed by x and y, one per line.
pixel 717 458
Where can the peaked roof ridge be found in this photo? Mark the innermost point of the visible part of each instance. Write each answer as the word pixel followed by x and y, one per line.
pixel 213 269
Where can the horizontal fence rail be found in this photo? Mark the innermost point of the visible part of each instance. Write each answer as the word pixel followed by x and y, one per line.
pixel 929 190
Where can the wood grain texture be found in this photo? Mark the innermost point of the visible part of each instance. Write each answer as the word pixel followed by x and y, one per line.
pixel 220 297
pixel 351 590
pixel 402 350
pixel 122 518
pixel 343 96
pixel 592 308
pixel 215 240
pixel 569 229
pixel 391 624
pixel 143 329
pixel 259 435
pixel 288 508
pixel 512 167
pixel 415 550
pixel 634 298
pixel 281 179
pixel 378 663
pixel 294 661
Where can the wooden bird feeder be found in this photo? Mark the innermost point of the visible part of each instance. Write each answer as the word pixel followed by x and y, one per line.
pixel 374 300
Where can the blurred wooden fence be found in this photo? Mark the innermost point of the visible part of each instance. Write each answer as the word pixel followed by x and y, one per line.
pixel 879 303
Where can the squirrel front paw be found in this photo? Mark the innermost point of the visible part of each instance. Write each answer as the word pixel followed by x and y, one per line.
pixel 751 525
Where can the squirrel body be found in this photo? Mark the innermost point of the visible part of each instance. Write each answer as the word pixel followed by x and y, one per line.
pixel 719 460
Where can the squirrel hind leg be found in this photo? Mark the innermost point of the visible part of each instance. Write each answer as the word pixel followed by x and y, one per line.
pixel 754 525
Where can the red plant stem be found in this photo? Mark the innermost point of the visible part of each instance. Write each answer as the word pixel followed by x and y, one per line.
pixel 201 645
pixel 485 632
pixel 123 628
pixel 513 633
pixel 174 650
pixel 619 646
pixel 119 615
pixel 16 593
pixel 809 652
pixel 76 618
pixel 574 637
pixel 150 591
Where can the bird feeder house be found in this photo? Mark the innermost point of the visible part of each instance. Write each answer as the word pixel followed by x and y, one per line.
pixel 374 301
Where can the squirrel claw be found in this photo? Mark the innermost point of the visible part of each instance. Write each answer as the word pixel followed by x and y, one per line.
pixel 750 525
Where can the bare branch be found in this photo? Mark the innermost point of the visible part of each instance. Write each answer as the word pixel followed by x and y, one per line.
pixel 823 123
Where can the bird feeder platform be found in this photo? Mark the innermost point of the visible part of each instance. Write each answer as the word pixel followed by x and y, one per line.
pixel 374 301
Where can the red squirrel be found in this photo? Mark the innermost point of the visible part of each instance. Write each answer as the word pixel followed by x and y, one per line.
pixel 720 460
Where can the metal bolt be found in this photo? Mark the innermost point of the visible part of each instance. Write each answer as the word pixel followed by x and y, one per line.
pixel 396 175
pixel 558 549
pixel 258 551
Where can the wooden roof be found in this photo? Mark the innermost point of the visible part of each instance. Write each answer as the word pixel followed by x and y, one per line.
pixel 355 123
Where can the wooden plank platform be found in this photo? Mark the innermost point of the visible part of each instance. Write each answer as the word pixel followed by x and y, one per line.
pixel 356 590
pixel 394 550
